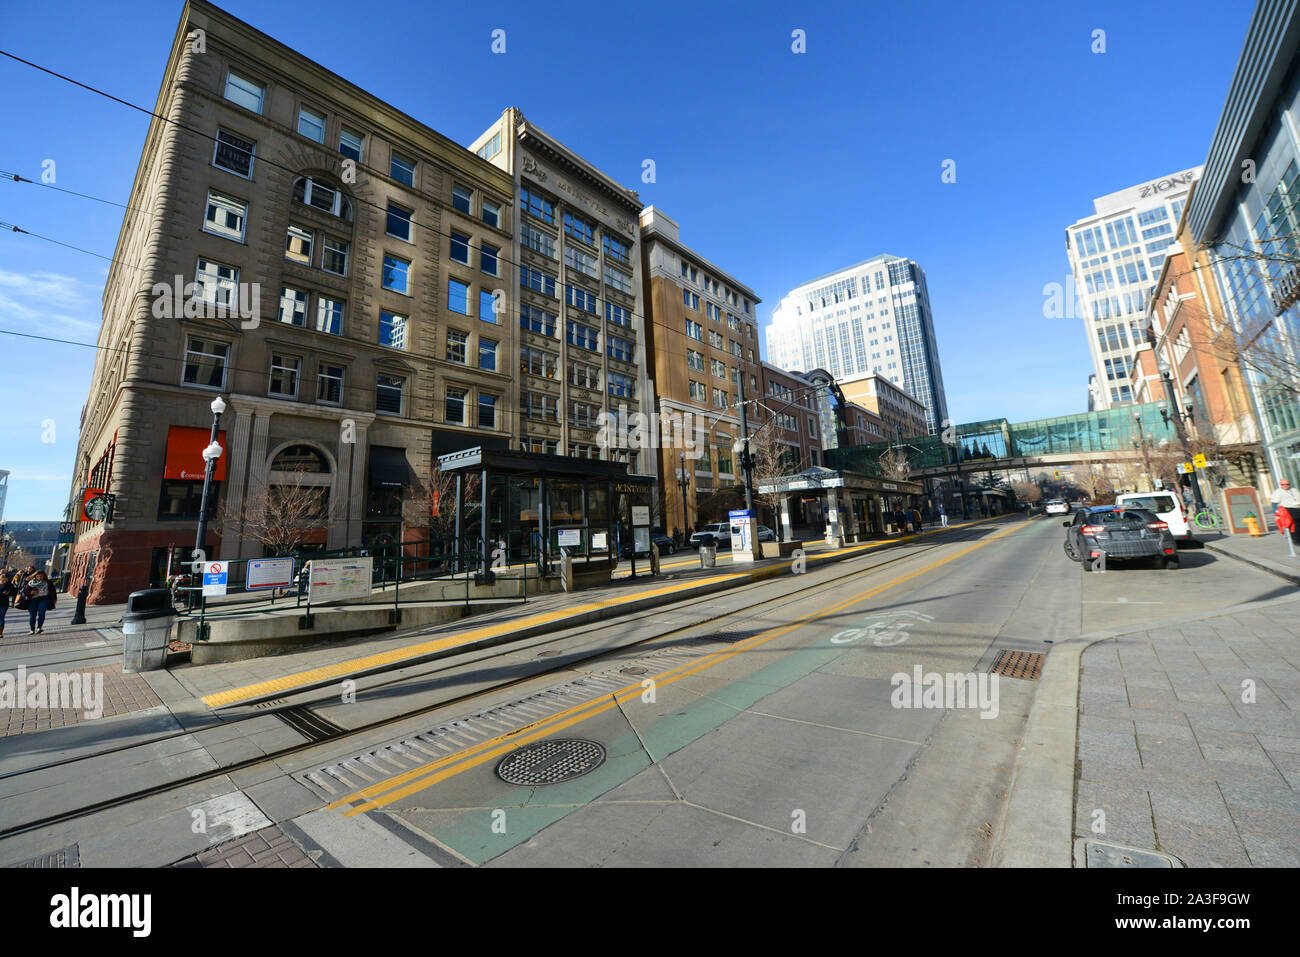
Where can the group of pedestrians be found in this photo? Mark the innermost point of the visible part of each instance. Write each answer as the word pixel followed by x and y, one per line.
pixel 30 590
pixel 910 519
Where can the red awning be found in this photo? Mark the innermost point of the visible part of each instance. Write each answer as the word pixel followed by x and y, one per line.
pixel 185 447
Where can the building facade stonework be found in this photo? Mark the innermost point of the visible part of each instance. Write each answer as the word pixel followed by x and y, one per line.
pixel 311 231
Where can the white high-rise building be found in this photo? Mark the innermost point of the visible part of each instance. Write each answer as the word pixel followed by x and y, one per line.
pixel 1115 255
pixel 873 317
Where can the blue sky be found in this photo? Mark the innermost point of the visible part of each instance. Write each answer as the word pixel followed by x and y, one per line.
pixel 778 166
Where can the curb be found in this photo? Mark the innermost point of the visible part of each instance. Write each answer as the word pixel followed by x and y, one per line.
pixel 1040 802
pixel 1265 566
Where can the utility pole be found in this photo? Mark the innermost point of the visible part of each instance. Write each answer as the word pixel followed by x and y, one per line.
pixel 1178 427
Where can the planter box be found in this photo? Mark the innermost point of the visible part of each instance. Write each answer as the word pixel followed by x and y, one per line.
pixel 780 549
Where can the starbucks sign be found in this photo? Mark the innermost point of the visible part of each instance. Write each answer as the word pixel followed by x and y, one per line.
pixel 99 507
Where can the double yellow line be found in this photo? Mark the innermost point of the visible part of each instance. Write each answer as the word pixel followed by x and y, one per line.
pixel 418 779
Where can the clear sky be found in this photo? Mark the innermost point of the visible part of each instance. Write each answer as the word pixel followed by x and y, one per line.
pixel 779 166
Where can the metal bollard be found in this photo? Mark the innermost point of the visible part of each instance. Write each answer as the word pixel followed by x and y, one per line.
pixel 79 616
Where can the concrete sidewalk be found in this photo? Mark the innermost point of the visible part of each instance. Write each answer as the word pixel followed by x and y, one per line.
pixel 1266 552
pixel 1189 739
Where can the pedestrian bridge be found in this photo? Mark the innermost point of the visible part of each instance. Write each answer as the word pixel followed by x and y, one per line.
pixel 996 445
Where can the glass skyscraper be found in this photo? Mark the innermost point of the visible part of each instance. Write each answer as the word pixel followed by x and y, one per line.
pixel 1115 256
pixel 872 317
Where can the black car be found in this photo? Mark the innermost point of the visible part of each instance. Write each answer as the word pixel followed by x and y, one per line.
pixel 1122 534
pixel 666 545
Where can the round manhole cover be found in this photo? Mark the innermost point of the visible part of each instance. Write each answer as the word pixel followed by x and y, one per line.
pixel 632 670
pixel 547 654
pixel 550 762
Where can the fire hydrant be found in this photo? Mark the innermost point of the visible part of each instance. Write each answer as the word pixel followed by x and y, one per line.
pixel 1252 525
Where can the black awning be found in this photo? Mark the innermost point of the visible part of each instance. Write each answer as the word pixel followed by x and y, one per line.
pixel 388 468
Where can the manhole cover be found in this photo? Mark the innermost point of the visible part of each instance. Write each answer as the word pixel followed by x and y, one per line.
pixel 547 654
pixel 550 762
pixel 632 670
pixel 1102 854
pixel 1018 664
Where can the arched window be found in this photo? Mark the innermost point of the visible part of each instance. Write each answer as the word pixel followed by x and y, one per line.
pixel 300 458
pixel 321 195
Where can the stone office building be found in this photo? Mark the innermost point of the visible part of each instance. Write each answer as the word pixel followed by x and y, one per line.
pixel 331 267
pixel 703 338
pixel 580 335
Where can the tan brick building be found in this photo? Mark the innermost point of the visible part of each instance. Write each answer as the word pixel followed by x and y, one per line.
pixel 703 338
pixel 351 268
pixel 581 337
pixel 900 415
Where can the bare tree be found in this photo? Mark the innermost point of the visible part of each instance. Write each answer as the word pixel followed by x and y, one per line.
pixel 282 516
pixel 431 505
pixel 772 460
pixel 894 465
pixel 1027 492
pixel 1094 480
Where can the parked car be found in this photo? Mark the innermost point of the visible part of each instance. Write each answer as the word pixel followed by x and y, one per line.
pixel 719 534
pixel 666 545
pixel 765 534
pixel 1165 504
pixel 1123 534
pixel 1057 506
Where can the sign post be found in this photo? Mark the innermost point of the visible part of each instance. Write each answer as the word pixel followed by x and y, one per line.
pixel 215 575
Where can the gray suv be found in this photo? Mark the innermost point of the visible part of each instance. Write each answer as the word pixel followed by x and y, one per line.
pixel 1123 534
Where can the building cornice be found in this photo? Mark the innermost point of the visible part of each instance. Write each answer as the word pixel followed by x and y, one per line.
pixel 250 44
pixel 532 137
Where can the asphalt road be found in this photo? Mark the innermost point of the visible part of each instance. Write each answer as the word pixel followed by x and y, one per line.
pixel 774 733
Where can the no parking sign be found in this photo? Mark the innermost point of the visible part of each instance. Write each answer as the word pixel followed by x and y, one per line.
pixel 214 578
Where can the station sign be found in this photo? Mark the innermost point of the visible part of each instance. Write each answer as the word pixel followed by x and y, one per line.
pixel 269 573
pixel 214 578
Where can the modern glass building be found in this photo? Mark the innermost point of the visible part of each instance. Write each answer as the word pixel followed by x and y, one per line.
pixel 872 317
pixel 997 439
pixel 1246 214
pixel 1115 257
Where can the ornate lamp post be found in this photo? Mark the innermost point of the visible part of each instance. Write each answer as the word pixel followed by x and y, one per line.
pixel 683 482
pixel 210 456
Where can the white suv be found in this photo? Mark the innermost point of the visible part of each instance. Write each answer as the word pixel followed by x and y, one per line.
pixel 721 532
pixel 1057 506
pixel 1165 504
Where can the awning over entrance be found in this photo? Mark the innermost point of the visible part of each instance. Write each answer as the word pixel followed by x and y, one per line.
pixel 817 478
pixel 388 467
pixel 184 460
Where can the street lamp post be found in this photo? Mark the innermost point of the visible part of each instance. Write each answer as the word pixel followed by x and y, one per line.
pixel 1165 370
pixel 1141 444
pixel 683 480
pixel 210 456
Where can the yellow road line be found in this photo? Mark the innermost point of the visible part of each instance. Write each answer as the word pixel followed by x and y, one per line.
pixel 344 668
pixel 425 776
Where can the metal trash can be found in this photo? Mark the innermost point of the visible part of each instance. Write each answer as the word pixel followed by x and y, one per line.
pixel 708 555
pixel 146 629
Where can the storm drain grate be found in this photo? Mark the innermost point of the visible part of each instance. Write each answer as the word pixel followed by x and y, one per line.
pixel 64 857
pixel 1018 664
pixel 550 762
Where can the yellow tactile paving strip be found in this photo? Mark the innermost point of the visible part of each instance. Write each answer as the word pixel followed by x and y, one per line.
pixel 343 669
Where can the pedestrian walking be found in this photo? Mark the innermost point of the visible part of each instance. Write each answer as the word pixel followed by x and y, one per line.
pixel 943 515
pixel 38 598
pixel 1288 498
pixel 900 520
pixel 916 518
pixel 8 592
